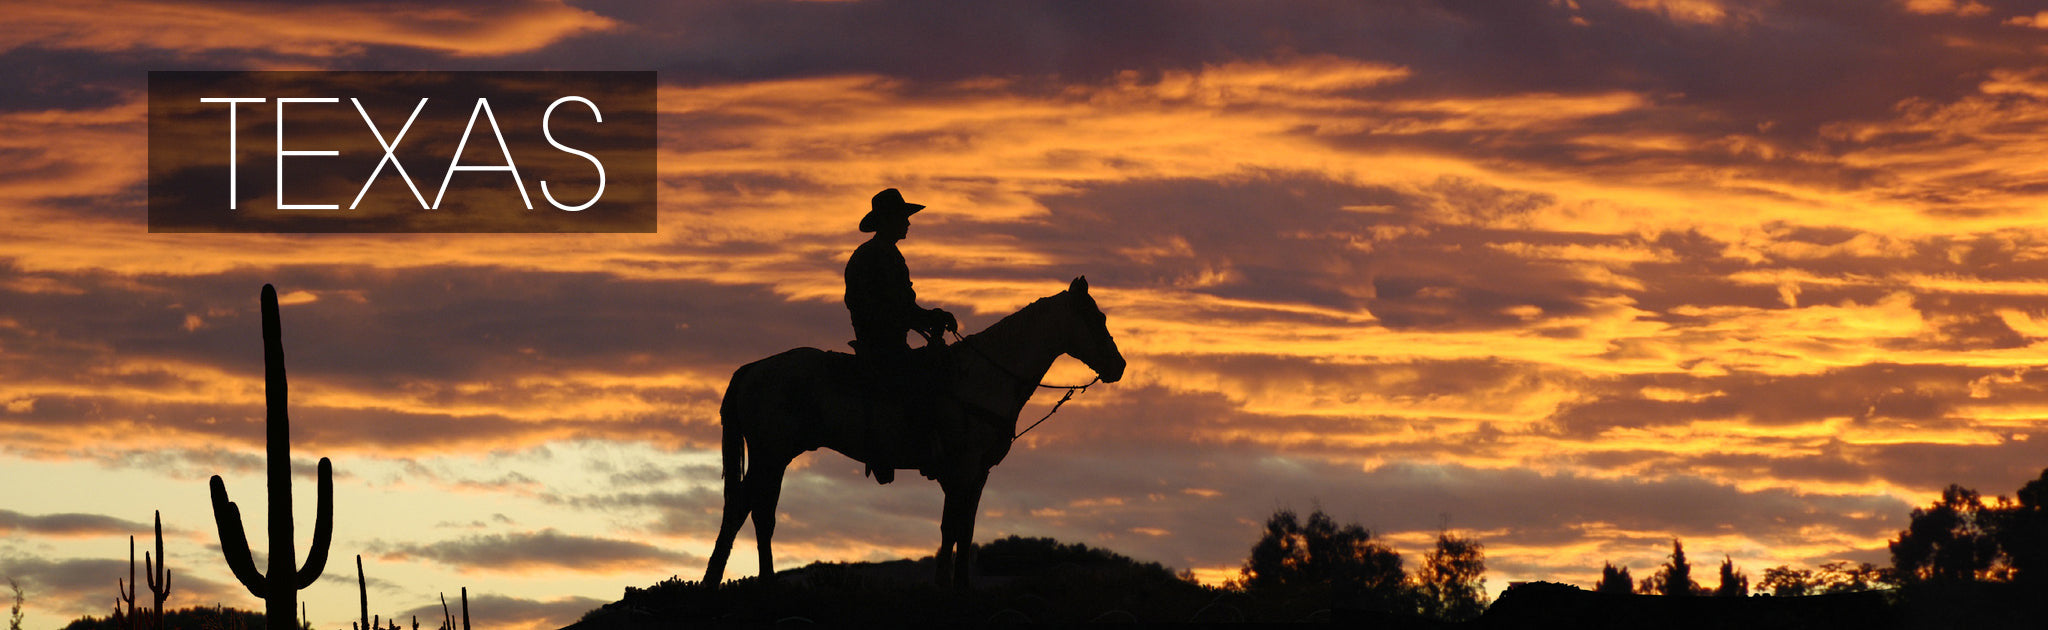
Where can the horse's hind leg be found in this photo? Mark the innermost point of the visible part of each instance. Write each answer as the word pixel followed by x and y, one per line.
pixel 728 528
pixel 956 529
pixel 764 489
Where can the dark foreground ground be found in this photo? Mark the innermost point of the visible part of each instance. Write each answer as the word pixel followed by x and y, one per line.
pixel 1037 581
pixel 1017 581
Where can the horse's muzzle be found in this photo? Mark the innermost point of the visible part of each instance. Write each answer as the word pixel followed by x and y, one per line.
pixel 1114 373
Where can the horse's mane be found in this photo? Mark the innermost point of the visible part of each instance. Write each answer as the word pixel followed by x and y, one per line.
pixel 1014 320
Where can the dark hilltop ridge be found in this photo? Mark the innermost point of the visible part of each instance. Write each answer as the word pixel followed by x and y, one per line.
pixel 1040 581
pixel 1017 580
pixel 1955 606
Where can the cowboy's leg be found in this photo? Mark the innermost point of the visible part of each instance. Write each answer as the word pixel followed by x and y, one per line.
pixel 884 365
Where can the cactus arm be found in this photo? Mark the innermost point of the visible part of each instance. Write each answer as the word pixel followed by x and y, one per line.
pixel 234 543
pixel 323 528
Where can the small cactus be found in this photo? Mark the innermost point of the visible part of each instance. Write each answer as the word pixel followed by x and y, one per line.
pixel 280 587
pixel 159 573
pixel 448 619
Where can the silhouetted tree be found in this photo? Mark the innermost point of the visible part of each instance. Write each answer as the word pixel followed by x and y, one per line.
pixel 1785 581
pixel 20 598
pixel 1840 576
pixel 1615 580
pixel 1946 541
pixel 1453 579
pixel 2022 532
pixel 1733 582
pixel 1343 562
pixel 1843 576
pixel 1676 577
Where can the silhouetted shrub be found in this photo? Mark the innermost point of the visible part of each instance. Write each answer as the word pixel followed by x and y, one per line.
pixel 1326 564
pixel 1675 578
pixel 1615 581
pixel 1451 584
pixel 1733 582
pixel 1948 541
pixel 195 618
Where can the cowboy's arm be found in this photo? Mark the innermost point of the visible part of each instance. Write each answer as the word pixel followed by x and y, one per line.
pixel 887 277
pixel 927 319
pixel 932 320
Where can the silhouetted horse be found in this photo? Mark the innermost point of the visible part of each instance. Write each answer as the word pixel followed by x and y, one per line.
pixel 779 407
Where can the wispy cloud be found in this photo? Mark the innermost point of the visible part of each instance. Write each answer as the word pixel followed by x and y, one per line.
pixel 546 549
pixel 67 524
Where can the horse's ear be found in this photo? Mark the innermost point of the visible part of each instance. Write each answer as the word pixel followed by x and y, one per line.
pixel 1080 285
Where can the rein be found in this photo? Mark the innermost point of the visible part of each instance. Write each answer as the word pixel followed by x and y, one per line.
pixel 1071 389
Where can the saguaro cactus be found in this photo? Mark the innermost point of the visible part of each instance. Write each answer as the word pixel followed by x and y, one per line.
pixel 280 587
pixel 159 573
pixel 363 590
pixel 127 593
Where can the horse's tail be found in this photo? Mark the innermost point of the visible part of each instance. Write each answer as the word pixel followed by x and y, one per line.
pixel 733 436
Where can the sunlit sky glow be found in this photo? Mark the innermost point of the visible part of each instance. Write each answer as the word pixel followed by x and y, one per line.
pixel 1574 276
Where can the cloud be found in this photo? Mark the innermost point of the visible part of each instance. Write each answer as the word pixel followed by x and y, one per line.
pixel 337 29
pixel 1077 494
pixel 524 552
pixel 67 525
pixel 495 375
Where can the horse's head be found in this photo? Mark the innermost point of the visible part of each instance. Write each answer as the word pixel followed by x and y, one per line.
pixel 1089 339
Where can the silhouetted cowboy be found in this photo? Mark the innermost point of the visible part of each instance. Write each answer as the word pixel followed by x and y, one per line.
pixel 884 307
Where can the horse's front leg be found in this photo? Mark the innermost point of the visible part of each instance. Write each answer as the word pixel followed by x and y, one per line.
pixel 943 573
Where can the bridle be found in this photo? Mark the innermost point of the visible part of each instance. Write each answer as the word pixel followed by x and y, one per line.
pixel 1071 389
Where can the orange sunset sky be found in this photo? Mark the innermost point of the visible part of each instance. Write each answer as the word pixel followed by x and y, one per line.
pixel 1574 277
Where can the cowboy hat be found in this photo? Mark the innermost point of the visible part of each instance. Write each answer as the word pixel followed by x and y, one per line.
pixel 887 205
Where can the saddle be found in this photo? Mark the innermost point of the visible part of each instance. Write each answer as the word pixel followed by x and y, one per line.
pixel 904 402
